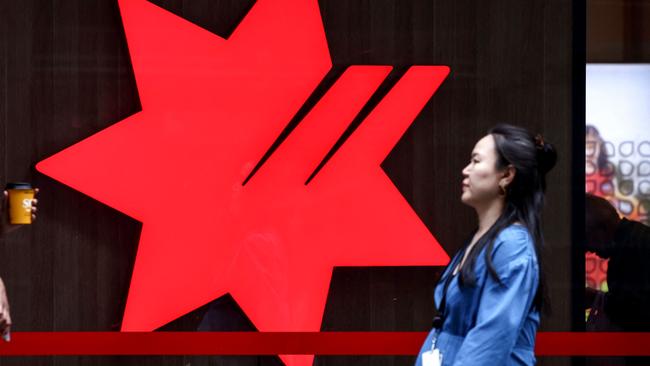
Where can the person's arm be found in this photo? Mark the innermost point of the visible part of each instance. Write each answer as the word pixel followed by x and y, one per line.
pixel 502 306
pixel 5 317
pixel 5 227
pixel 590 296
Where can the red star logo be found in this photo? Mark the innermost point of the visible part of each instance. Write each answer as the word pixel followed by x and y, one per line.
pixel 210 109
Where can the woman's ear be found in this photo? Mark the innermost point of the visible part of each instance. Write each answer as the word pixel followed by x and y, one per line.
pixel 508 175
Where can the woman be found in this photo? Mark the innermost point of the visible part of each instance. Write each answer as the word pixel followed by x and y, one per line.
pixel 489 297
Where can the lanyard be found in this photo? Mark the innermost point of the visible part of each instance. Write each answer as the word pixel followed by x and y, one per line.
pixel 440 318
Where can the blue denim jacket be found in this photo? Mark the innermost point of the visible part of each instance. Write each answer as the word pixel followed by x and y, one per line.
pixel 491 323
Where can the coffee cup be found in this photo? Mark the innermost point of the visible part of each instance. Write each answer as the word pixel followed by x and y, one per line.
pixel 21 196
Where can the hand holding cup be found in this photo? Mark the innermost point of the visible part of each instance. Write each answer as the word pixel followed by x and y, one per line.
pixel 20 206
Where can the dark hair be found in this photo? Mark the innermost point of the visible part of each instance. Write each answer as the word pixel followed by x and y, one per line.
pixel 601 222
pixel 532 158
pixel 602 158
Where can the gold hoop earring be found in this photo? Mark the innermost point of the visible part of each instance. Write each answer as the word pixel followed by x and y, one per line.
pixel 502 190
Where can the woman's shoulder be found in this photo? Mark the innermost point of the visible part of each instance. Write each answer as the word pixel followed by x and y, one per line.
pixel 515 241
pixel 515 231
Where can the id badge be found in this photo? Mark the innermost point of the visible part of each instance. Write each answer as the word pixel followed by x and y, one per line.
pixel 432 358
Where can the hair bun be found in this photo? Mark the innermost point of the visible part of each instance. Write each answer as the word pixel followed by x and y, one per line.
pixel 546 155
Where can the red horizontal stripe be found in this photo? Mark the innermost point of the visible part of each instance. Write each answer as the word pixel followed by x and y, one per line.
pixel 269 343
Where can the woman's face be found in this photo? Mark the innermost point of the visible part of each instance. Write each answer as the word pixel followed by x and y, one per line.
pixel 593 144
pixel 480 177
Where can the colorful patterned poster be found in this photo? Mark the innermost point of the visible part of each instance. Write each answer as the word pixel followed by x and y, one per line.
pixel 617 155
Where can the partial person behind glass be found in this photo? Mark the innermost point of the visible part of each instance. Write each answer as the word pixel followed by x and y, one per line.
pixel 6 227
pixel 490 295
pixel 626 305
pixel 626 244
